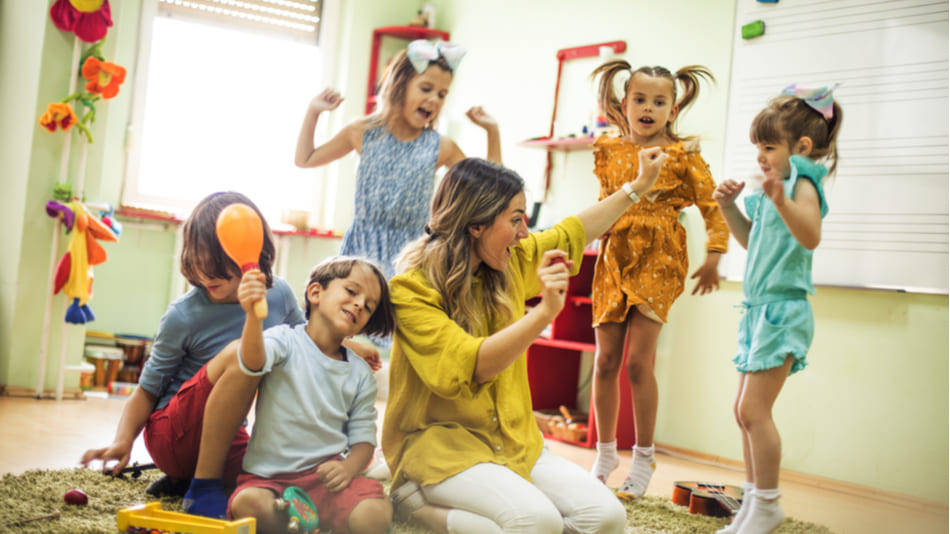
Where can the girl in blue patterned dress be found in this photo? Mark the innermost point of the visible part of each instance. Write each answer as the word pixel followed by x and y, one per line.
pixel 793 134
pixel 399 150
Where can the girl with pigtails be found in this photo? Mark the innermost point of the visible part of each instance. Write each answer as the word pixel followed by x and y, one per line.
pixel 642 265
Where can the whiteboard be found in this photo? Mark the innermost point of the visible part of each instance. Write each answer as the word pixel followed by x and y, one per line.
pixel 887 222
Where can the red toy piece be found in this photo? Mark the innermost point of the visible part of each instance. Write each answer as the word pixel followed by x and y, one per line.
pixel 76 496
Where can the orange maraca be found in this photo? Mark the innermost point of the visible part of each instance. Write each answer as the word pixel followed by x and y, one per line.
pixel 241 235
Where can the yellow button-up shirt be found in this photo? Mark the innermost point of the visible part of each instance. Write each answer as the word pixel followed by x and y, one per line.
pixel 439 421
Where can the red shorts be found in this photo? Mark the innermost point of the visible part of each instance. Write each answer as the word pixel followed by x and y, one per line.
pixel 333 508
pixel 173 434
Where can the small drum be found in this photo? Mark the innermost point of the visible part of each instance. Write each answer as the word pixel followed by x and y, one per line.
pixel 107 361
pixel 134 347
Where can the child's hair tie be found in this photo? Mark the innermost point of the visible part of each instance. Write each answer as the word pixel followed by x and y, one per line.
pixel 818 98
pixel 421 52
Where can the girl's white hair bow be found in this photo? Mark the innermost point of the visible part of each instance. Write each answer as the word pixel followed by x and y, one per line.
pixel 421 52
pixel 818 98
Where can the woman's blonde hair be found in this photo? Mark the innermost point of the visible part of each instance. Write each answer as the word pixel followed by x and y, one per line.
pixel 473 193
pixel 788 118
pixel 392 93
pixel 613 108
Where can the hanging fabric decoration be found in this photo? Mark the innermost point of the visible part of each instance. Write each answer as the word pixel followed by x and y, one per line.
pixel 104 77
pixel 74 270
pixel 88 19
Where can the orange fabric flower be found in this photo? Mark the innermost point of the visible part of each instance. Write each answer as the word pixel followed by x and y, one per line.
pixel 58 114
pixel 104 77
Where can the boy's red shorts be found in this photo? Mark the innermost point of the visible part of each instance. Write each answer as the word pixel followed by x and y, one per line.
pixel 333 508
pixel 173 434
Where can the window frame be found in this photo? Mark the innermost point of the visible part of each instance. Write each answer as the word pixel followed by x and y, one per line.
pixel 329 34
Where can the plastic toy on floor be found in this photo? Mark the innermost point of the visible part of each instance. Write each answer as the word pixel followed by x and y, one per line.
pixel 151 519
pixel 302 511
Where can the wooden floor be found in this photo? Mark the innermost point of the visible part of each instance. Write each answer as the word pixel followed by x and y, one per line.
pixel 49 434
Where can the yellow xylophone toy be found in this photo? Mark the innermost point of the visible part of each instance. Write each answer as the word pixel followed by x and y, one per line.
pixel 151 519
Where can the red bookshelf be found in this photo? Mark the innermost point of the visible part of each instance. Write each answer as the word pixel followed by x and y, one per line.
pixel 554 362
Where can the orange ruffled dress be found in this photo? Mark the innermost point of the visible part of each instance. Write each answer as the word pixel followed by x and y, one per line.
pixel 642 261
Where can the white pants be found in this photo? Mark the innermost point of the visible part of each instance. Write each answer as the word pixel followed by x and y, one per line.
pixel 489 498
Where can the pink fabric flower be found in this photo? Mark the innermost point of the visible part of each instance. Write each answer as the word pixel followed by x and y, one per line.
pixel 88 19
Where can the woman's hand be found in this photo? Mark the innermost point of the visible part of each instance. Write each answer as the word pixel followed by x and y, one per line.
pixel 326 101
pixel 726 193
pixel 481 118
pixel 252 289
pixel 369 353
pixel 554 272
pixel 651 161
pixel 708 274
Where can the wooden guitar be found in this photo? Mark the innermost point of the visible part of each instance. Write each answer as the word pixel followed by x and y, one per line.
pixel 717 500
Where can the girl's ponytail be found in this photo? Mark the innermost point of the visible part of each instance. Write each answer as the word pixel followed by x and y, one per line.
pixel 689 77
pixel 834 124
pixel 609 103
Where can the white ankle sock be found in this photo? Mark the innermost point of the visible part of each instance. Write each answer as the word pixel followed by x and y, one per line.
pixel 747 498
pixel 607 460
pixel 641 471
pixel 765 515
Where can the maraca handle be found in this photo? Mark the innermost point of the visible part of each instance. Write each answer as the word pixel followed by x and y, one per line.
pixel 260 307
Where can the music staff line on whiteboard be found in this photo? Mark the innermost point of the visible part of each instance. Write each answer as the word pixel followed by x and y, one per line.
pixel 813 35
pixel 848 17
pixel 840 74
pixel 805 7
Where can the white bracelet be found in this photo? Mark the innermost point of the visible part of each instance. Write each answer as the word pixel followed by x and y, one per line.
pixel 628 189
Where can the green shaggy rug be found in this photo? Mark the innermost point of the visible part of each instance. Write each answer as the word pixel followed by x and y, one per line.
pixel 40 493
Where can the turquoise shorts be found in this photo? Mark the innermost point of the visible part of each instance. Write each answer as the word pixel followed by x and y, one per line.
pixel 769 331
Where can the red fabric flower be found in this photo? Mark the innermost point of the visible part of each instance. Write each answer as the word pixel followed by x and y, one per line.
pixel 104 77
pixel 88 19
pixel 58 114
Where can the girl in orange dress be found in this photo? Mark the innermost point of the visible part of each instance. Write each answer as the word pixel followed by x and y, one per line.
pixel 642 265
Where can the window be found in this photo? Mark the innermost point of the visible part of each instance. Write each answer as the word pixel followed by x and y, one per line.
pixel 226 84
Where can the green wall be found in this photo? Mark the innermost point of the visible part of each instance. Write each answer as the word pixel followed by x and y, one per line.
pixel 132 289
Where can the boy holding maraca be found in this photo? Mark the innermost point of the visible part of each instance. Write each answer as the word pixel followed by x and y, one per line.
pixel 316 402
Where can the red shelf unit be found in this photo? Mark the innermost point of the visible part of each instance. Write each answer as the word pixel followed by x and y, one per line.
pixel 554 362
pixel 407 33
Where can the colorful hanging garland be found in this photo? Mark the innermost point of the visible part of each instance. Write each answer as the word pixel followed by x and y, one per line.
pixel 104 79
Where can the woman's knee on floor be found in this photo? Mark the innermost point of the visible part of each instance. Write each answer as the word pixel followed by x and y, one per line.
pixel 603 517
pixel 539 519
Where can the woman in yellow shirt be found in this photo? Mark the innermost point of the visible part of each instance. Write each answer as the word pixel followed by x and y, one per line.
pixel 459 432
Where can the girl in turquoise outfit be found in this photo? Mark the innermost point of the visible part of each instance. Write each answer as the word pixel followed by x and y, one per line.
pixel 795 132
pixel 399 150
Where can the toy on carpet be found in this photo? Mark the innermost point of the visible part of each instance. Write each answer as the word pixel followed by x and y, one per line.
pixel 717 500
pixel 241 234
pixel 76 497
pixel 151 519
pixel 303 513
pixel 135 470
pixel 73 272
